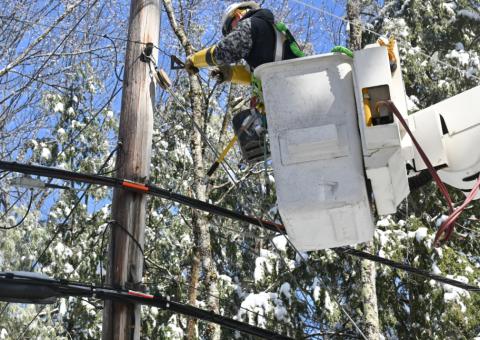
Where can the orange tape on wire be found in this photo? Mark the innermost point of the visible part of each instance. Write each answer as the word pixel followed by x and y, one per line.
pixel 135 186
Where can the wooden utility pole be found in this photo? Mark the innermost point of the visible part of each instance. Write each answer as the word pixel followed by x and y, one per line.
pixel 121 321
pixel 368 269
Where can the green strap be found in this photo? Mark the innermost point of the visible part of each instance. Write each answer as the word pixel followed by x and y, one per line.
pixel 344 50
pixel 257 88
pixel 282 28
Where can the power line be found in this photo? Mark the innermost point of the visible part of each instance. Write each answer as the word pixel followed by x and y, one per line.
pixel 153 190
pixel 24 217
pixel 59 228
pixel 419 272
pixel 137 187
pixel 63 288
pixel 66 29
pixel 216 297
pixel 25 329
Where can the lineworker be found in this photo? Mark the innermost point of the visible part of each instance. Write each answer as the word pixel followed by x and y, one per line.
pixel 250 33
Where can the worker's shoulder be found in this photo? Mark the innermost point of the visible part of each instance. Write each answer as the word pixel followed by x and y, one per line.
pixel 263 14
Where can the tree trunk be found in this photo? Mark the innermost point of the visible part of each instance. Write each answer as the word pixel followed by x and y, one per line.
pixel 355 34
pixel 369 295
pixel 199 222
pixel 368 269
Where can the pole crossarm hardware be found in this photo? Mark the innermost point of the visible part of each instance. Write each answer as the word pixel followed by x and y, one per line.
pixel 138 187
pixel 31 288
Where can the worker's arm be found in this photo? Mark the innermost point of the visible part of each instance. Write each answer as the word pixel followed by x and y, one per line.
pixel 231 49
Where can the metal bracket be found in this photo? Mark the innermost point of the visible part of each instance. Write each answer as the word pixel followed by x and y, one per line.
pixel 176 63
pixel 147 53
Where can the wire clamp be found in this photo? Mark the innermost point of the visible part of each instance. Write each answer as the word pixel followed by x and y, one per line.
pixel 147 53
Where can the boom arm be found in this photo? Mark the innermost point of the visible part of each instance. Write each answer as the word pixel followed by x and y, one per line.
pixel 449 133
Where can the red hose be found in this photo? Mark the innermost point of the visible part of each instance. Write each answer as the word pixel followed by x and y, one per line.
pixel 446 229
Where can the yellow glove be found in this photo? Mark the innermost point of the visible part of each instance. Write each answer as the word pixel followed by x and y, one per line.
pixel 190 66
pixel 222 73
pixel 237 74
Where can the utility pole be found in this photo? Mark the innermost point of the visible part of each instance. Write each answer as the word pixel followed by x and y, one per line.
pixel 121 321
pixel 368 270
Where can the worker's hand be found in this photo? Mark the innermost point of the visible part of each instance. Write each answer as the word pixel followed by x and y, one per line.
pixel 222 73
pixel 190 67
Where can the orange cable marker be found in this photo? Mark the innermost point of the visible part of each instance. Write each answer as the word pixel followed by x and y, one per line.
pixel 135 186
pixel 143 295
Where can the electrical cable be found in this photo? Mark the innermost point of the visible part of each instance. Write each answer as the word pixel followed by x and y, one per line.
pixel 129 234
pixel 76 31
pixel 138 187
pixel 216 297
pixel 37 72
pixel 116 57
pixel 25 329
pixel 77 203
pixel 24 217
pixel 418 272
pixel 59 228
pixel 113 182
pixel 65 288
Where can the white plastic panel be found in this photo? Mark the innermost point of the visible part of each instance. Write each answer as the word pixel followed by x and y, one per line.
pixel 316 151
pixel 388 183
pixel 387 146
pixel 310 144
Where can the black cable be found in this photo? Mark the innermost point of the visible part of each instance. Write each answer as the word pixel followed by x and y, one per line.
pixel 216 297
pixel 30 323
pixel 24 217
pixel 76 31
pixel 149 189
pixel 197 204
pixel 59 228
pixel 66 288
pixel 116 57
pixel 419 272
pixel 13 204
pixel 118 225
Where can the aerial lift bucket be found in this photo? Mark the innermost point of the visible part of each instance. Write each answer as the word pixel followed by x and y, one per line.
pixel 316 151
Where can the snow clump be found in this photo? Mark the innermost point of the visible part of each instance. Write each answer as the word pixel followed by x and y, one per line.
pixel 280 242
pixel 59 107
pixel 421 234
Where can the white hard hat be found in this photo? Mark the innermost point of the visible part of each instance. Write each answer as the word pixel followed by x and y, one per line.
pixel 230 10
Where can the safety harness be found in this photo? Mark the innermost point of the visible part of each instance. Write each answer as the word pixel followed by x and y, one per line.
pixel 283 35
